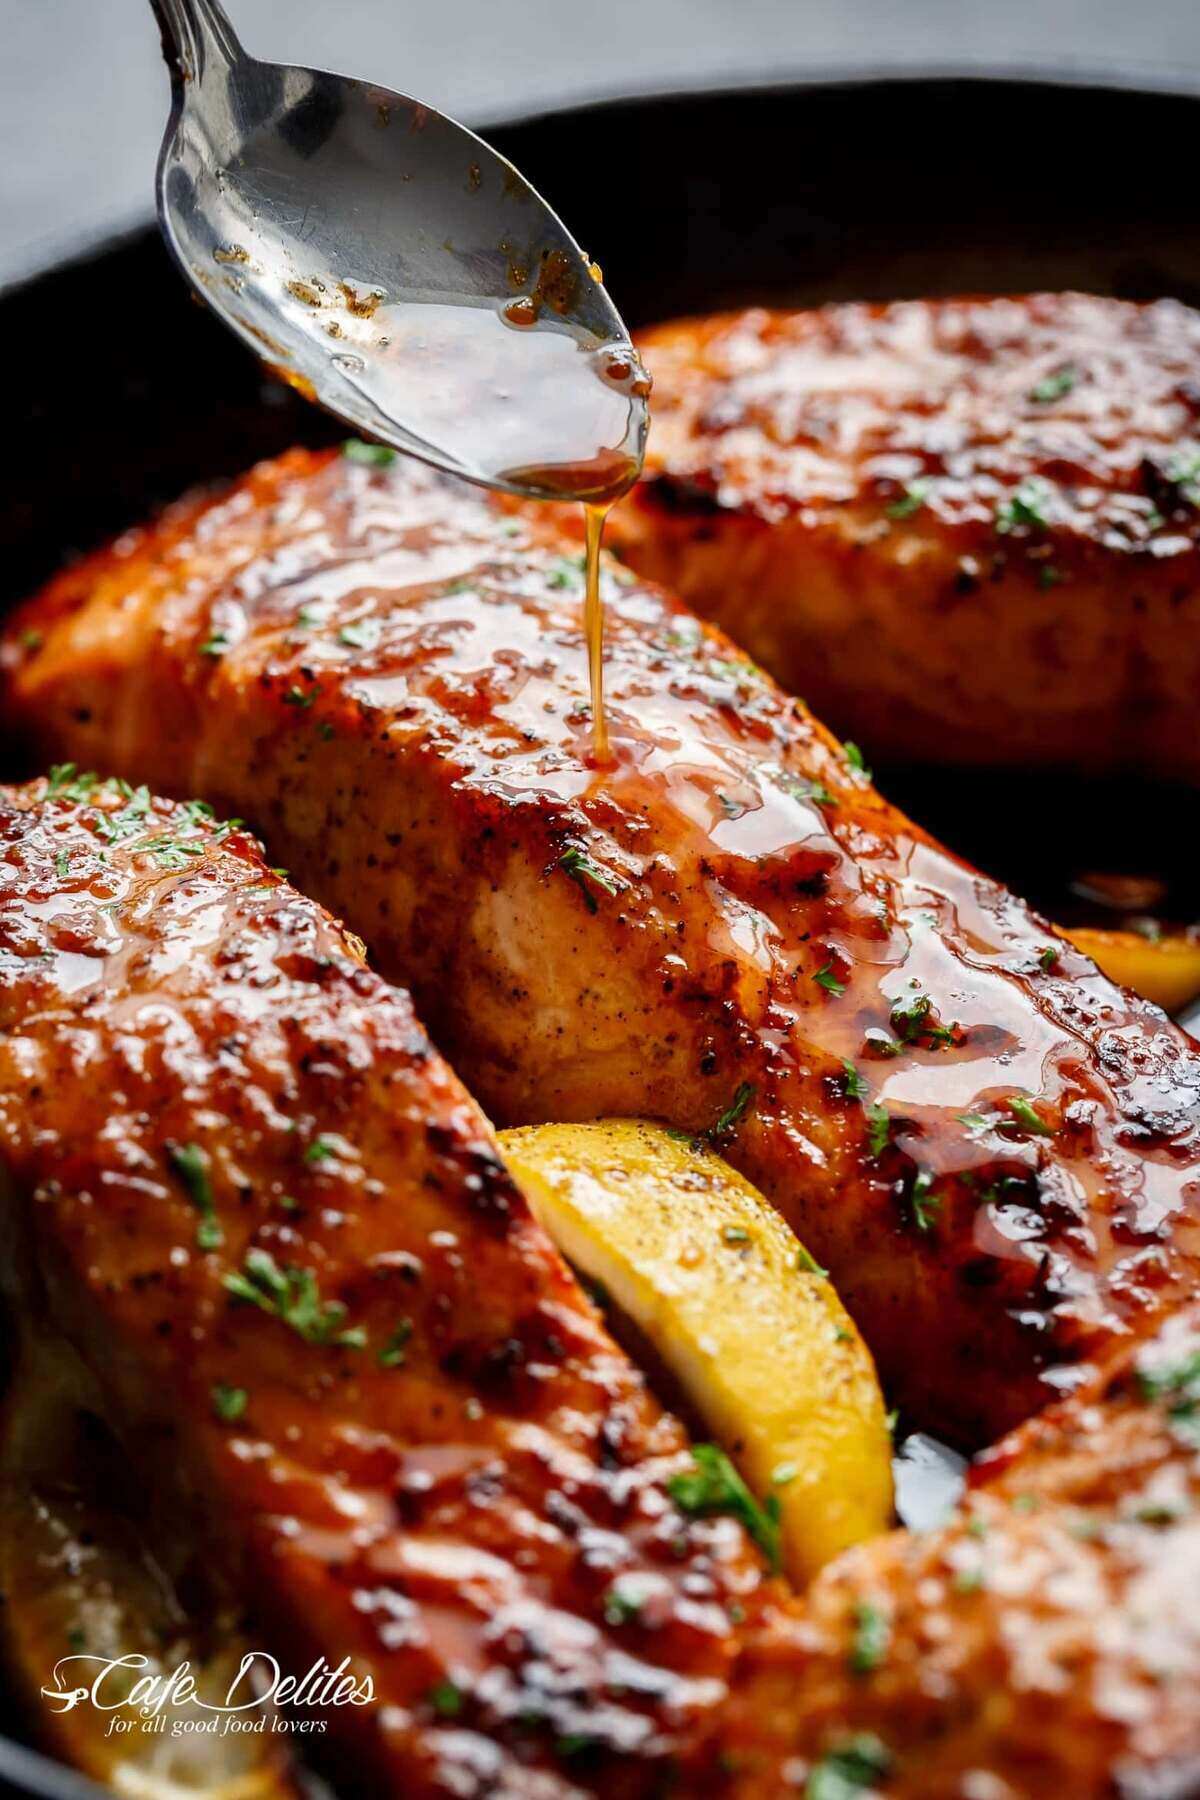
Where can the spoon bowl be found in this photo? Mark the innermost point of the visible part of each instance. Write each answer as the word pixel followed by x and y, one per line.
pixel 386 262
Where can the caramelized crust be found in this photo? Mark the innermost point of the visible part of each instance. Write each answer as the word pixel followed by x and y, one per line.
pixel 444 1482
pixel 1044 1643
pixel 194 1066
pixel 992 1148
pixel 964 530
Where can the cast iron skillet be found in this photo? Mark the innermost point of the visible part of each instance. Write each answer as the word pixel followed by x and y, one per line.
pixel 121 392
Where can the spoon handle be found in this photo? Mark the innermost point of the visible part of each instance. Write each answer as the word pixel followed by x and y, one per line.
pixel 195 32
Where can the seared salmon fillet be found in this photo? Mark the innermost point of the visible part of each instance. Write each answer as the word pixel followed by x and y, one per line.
pixel 1045 1643
pixel 362 1387
pixel 963 530
pixel 341 1354
pixel 992 1148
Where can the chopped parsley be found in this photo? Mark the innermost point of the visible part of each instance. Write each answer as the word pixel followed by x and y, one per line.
pixel 1028 1118
pixel 190 1164
pixel 1055 385
pixel 622 1606
pixel 446 1700
pixel 909 1017
pixel 734 1234
pixel 853 1085
pixel 216 645
pixel 1179 1385
pixel 372 456
pixel 320 1150
pixel 173 852
pixel 1048 576
pixel 392 1354
pixel 807 1264
pixel 849 1768
pixel 62 865
pixel 301 697
pixel 229 1403
pixel 734 1112
pixel 1183 472
pixel 1048 957
pixel 879 1129
pixel 65 779
pixel 826 979
pixel 1028 504
pixel 855 758
pixel 912 500
pixel 31 640
pixel 564 573
pixel 872 1635
pixel 925 1204
pixel 586 874
pixel 291 1295
pixel 363 634
pixel 714 1486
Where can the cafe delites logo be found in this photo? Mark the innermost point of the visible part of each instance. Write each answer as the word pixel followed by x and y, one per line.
pixel 141 1696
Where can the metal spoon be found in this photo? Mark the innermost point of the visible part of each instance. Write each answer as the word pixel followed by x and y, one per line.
pixel 388 263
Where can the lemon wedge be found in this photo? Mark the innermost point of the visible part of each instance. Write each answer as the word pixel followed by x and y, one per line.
pixel 1165 970
pixel 737 1311
pixel 80 1593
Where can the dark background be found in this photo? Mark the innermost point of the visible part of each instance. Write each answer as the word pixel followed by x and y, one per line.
pixel 83 96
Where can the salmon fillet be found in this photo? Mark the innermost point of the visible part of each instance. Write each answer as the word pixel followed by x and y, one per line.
pixel 992 1148
pixel 965 530
pixel 354 1374
pixel 366 1394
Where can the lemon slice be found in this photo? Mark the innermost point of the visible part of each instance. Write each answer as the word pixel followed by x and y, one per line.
pixel 737 1311
pixel 1165 970
pixel 80 1592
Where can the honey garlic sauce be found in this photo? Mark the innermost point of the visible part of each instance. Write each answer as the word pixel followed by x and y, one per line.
pixel 993 1150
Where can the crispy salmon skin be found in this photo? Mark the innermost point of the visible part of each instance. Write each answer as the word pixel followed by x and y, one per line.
pixel 965 530
pixel 994 1150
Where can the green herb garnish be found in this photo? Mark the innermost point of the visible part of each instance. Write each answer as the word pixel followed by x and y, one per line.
pixel 1029 504
pixel 621 1606
pixel 879 1129
pixel 872 1635
pixel 392 1355
pixel 216 645
pixel 807 1263
pixel 1029 1120
pixel 857 1763
pixel 714 1486
pixel 190 1164
pixel 1178 1384
pixel 1055 385
pixel 373 456
pixel 364 634
pixel 925 1204
pixel 743 1095
pixel 229 1403
pixel 853 1085
pixel 586 874
pixel 826 979
pixel 291 1295
pixel 855 758
pixel 446 1700
pixel 912 500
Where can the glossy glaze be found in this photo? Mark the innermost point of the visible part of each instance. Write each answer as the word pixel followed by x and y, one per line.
pixel 448 1502
pixel 965 530
pixel 385 673
pixel 1043 1646
pixel 456 1519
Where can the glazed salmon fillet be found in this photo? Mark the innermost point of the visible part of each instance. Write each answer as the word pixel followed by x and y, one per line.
pixel 964 530
pixel 373 1405
pixel 992 1148
pixel 355 1375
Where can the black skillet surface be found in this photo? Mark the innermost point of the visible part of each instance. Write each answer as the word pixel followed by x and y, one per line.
pixel 121 391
